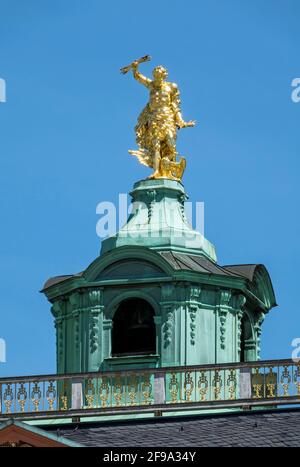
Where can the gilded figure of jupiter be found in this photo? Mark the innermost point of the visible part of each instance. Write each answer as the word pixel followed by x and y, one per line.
pixel 158 123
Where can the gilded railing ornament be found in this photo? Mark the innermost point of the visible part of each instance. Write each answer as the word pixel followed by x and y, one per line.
pixel 156 129
pixel 257 384
pixel 271 383
pixel 146 389
pixel 36 395
pixel 64 402
pixel 64 396
pixel 188 386
pixel 203 386
pixel 217 384
pixel 51 395
pixel 231 384
pixel 104 391
pixel 297 379
pixel 275 382
pixel 118 391
pixel 8 398
pixel 22 397
pixel 90 393
pixel 132 389
pixel 270 390
pixel 174 388
pixel 285 381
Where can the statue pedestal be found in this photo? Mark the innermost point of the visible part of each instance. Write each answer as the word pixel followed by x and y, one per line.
pixel 158 221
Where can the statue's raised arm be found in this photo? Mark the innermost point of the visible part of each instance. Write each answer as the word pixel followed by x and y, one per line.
pixel 137 74
pixel 156 129
pixel 139 77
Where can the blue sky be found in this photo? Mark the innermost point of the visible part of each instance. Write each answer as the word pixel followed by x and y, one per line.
pixel 68 122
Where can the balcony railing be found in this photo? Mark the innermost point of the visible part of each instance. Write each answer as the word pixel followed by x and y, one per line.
pixel 236 385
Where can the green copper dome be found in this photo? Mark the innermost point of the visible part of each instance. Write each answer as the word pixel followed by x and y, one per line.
pixel 158 221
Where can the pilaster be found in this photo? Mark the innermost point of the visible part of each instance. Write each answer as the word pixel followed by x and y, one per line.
pixel 94 297
pixel 168 325
pixel 58 310
pixel 257 329
pixel 193 339
pixel 224 332
pixel 74 347
pixel 240 301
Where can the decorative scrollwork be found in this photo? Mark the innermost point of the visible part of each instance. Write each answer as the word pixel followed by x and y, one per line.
pixel 222 315
pixel 94 330
pixel 36 395
pixel 203 386
pixel 257 391
pixel 22 397
pixel 285 381
pixel 76 330
pixel 232 384
pixel 270 390
pixel 64 396
pixel 174 388
pixel 257 384
pixel 59 337
pixel 182 199
pixel 188 386
pixel 95 297
pixel 51 395
pixel 152 197
pixel 193 310
pixel 90 393
pixel 132 389
pixel 225 297
pixel 217 384
pixel 271 383
pixel 297 379
pixel 118 391
pixel 94 300
pixel 259 320
pixel 240 301
pixel 168 327
pixel 8 397
pixel 104 391
pixel 146 388
pixel 64 402
pixel 260 381
pixel 195 293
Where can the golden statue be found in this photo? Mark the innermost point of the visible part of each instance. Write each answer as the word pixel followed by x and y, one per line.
pixel 157 125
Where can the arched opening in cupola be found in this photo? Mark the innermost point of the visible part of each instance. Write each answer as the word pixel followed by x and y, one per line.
pixel 133 331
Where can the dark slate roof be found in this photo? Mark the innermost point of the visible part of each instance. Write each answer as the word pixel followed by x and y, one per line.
pixel 58 279
pixel 199 263
pixel 187 262
pixel 257 428
pixel 246 270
